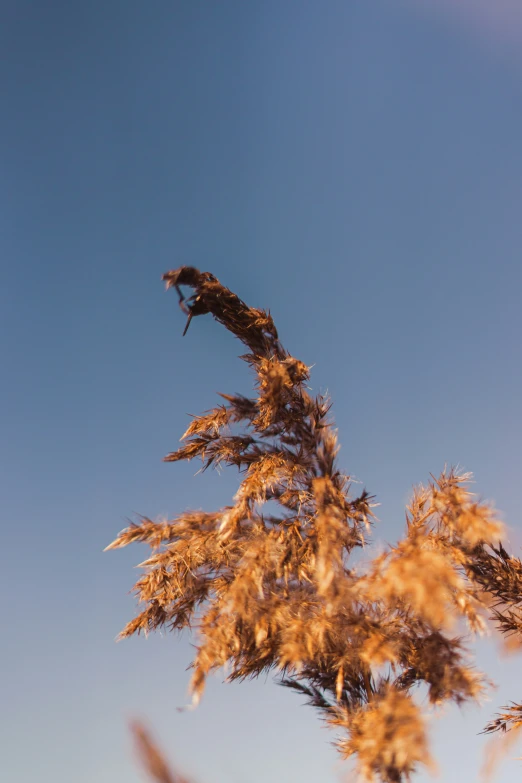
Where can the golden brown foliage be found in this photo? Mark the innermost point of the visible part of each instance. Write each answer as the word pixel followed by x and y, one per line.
pixel 500 575
pixel 278 593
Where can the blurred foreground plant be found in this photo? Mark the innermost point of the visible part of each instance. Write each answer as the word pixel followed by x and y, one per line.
pixel 151 757
pixel 277 592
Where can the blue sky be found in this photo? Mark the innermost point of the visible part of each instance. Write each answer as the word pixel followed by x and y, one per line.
pixel 356 168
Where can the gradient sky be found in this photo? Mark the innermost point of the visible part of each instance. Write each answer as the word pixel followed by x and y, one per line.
pixel 498 23
pixel 353 166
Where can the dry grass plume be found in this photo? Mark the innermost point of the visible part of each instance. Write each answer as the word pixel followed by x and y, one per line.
pixel 276 592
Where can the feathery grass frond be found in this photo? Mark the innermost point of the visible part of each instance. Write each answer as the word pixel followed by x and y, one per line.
pixel 278 593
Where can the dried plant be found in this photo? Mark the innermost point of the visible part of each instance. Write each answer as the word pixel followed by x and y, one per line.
pixel 500 575
pixel 277 591
pixel 151 757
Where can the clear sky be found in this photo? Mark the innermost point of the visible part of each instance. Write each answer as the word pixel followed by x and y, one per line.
pixel 355 167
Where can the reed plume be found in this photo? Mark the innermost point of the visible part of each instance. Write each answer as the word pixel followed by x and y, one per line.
pixel 278 592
